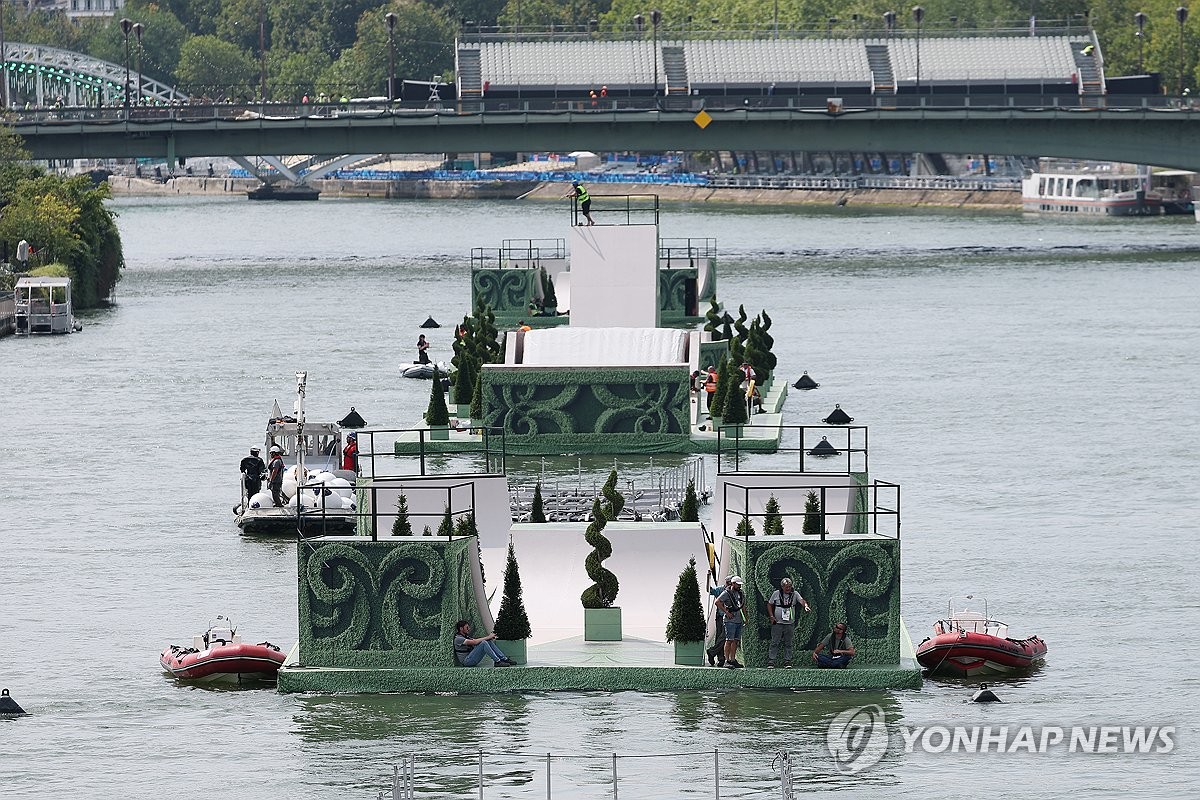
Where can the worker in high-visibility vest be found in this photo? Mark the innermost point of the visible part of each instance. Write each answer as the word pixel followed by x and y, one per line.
pixel 585 200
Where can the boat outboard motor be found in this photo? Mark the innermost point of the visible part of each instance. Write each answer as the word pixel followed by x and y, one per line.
pixel 838 417
pixel 8 706
pixel 984 695
pixel 805 382
pixel 430 322
pixel 823 449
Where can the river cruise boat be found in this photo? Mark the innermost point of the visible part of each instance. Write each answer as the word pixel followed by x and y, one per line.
pixel 1088 191
pixel 43 305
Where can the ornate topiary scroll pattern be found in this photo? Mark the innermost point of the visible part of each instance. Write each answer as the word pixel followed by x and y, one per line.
pixel 357 604
pixel 858 582
pixel 672 291
pixel 503 289
pixel 589 406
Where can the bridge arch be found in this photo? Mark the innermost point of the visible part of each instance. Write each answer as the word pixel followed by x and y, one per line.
pixel 41 74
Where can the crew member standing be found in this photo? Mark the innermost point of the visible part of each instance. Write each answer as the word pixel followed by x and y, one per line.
pixel 350 453
pixel 275 471
pixel 253 469
pixel 585 200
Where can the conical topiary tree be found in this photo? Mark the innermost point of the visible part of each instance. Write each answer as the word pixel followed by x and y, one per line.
pixel 402 526
pixel 614 500
pixel 603 590
pixel 745 527
pixel 690 510
pixel 477 398
pixel 734 412
pixel 773 521
pixel 512 622
pixel 718 402
pixel 686 623
pixel 437 413
pixel 812 514
pixel 537 512
pixel 427 532
pixel 549 298
pixel 446 528
pixel 464 381
pixel 465 525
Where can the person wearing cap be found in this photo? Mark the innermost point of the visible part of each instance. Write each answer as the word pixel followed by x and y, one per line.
pixel 253 469
pixel 585 200
pixel 468 652
pixel 716 653
pixel 782 608
pixel 275 470
pixel 350 453
pixel 732 604
pixel 836 649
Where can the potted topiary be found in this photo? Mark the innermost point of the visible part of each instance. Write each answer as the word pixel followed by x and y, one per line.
pixel 813 524
pixel 437 416
pixel 615 501
pixel 744 527
pixel 734 413
pixel 446 526
pixel 464 386
pixel 601 620
pixel 773 521
pixel 690 510
pixel 537 511
pixel 685 627
pixel 512 623
pixel 402 526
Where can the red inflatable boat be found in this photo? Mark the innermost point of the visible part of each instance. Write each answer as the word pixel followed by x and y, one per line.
pixel 219 654
pixel 967 644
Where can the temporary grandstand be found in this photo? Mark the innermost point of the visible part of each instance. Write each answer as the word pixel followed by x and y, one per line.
pixel 691 71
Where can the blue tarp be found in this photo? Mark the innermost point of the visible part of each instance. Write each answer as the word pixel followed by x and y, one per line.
pixel 677 178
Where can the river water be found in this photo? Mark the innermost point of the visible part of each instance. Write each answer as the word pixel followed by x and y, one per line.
pixel 1031 383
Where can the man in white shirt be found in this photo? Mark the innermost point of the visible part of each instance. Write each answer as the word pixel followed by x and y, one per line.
pixel 782 608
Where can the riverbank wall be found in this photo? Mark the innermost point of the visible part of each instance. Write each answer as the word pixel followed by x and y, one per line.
pixel 503 190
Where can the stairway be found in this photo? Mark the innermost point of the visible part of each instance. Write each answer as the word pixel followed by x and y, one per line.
pixel 675 71
pixel 470 79
pixel 1091 83
pixel 880 62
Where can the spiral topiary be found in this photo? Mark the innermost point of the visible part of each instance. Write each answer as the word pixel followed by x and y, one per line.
pixel 603 590
pixel 615 500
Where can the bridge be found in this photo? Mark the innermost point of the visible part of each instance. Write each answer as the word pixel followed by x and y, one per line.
pixel 44 74
pixel 1167 137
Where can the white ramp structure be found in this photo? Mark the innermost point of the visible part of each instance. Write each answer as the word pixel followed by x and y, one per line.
pixel 614 276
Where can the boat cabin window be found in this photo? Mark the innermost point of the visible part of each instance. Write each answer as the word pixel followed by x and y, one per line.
pixel 1041 186
pixel 1070 190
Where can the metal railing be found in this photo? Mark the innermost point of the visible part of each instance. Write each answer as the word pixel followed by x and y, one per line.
pixel 534 249
pixel 854 522
pixel 317 519
pixel 490 454
pixel 687 250
pixel 849 442
pixel 625 209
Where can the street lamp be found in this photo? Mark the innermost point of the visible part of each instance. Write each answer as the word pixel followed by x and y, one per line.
pixel 391 23
pixel 829 23
pixel 3 64
pixel 655 18
pixel 889 21
pixel 918 16
pixel 126 27
pixel 1181 14
pixel 775 24
pixel 138 29
pixel 1140 20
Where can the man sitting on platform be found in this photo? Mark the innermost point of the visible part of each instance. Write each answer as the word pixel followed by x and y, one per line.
pixel 468 652
pixel 837 647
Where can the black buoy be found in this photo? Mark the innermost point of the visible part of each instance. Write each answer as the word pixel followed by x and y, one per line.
pixel 823 449
pixel 805 383
pixel 353 420
pixel 430 322
pixel 8 706
pixel 838 417
pixel 984 695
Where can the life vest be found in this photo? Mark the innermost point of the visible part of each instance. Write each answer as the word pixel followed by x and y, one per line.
pixel 710 384
pixel 582 194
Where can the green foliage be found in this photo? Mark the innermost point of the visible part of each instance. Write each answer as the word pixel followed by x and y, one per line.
pixel 402 526
pixel 812 514
pixel 294 75
pixel 690 510
pixel 723 377
pixel 465 525
pixel 446 527
pixel 212 67
pixel 712 318
pixel 739 325
pixel 745 527
pixel 427 532
pixel 773 521
pixel 734 412
pixel 512 622
pixel 686 623
pixel 437 413
pixel 163 36
pixel 424 48
pixel 477 398
pixel 549 298
pixel 614 500
pixel 537 512
pixel 605 586
pixel 464 381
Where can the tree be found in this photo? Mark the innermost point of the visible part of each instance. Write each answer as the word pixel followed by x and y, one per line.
pixel 615 501
pixel 163 35
pixel 402 526
pixel 210 66
pixel 712 318
pixel 686 623
pixel 477 398
pixel 427 532
pixel 537 513
pixel 739 325
pixel 812 514
pixel 424 48
pixel 744 527
pixel 465 526
pixel 773 521
pixel 690 510
pixel 605 586
pixel 512 622
pixel 734 412
pixel 294 75
pixel 549 298
pixel 437 413
pixel 723 377
pixel 464 381
pixel 446 527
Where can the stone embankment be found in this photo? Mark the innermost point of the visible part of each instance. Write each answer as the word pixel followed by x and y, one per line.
pixel 498 190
